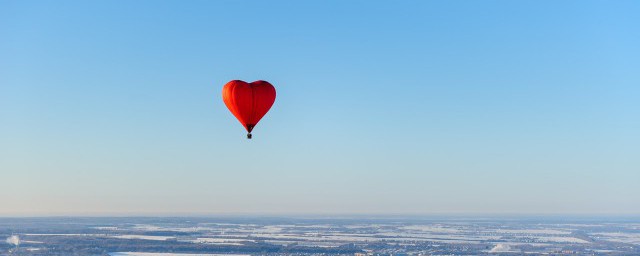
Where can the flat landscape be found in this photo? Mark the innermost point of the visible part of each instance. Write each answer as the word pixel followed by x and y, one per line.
pixel 240 236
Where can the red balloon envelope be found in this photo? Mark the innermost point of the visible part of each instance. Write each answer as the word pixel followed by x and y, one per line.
pixel 249 102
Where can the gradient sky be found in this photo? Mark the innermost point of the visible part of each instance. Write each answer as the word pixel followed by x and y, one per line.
pixel 391 107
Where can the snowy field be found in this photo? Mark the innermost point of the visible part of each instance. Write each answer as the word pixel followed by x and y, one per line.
pixel 168 254
pixel 206 237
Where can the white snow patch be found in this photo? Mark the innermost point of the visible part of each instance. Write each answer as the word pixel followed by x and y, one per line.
pixel 561 239
pixel 154 238
pixel 219 240
pixel 13 240
pixel 629 238
pixel 169 254
pixel 500 248
pixel 532 231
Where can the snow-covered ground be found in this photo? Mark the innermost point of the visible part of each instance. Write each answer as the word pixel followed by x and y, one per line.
pixel 532 231
pixel 154 238
pixel 630 238
pixel 561 239
pixel 168 254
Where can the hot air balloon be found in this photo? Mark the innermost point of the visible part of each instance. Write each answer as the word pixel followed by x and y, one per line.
pixel 248 102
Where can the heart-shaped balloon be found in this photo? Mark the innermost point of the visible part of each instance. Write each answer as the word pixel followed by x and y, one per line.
pixel 249 102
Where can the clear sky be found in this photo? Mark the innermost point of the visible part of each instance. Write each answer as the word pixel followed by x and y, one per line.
pixel 383 107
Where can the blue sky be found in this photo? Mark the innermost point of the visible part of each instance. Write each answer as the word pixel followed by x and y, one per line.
pixel 383 107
